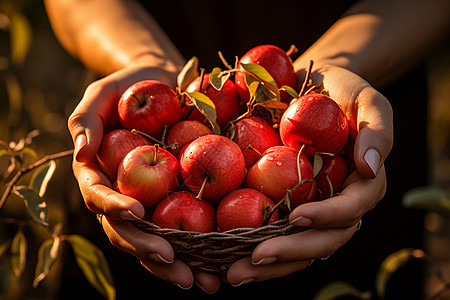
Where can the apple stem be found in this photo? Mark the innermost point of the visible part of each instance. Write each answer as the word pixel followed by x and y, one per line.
pixel 298 163
pixel 200 193
pixel 226 64
pixel 155 155
pixel 329 183
pixel 268 215
pixel 135 131
pixel 293 49
pixel 137 99
pixel 254 149
pixel 306 81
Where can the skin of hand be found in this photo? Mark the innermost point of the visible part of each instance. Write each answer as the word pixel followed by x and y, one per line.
pixel 275 257
pixel 332 221
pixel 95 112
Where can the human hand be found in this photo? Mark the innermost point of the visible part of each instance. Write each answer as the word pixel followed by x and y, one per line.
pixel 96 112
pixel 335 220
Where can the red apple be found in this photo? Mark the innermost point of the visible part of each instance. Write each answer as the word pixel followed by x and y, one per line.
pixel 226 101
pixel 148 174
pixel 148 106
pixel 316 121
pixel 331 176
pixel 259 134
pixel 183 211
pixel 244 208
pixel 275 61
pixel 276 173
pixel 212 165
pixel 115 145
pixel 185 132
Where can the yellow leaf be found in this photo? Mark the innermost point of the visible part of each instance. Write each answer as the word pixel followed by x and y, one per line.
pixel 21 35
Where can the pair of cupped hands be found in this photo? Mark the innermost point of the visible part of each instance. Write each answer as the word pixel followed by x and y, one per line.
pixel 332 221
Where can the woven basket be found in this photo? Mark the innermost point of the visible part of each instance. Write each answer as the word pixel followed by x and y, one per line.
pixel 215 252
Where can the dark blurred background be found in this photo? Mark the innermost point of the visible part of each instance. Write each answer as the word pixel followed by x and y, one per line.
pixel 40 85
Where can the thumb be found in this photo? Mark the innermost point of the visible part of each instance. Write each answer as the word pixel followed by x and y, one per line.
pixel 375 137
pixel 87 132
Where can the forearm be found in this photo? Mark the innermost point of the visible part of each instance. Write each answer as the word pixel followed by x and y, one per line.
pixel 380 40
pixel 108 35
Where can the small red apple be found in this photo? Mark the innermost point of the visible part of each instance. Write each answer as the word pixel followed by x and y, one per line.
pixel 331 176
pixel 277 173
pixel 115 145
pixel 185 132
pixel 148 106
pixel 256 133
pixel 316 121
pixel 181 210
pixel 275 61
pixel 244 208
pixel 226 101
pixel 213 165
pixel 148 174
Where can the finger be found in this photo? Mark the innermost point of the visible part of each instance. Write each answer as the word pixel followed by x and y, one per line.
pixel 244 272
pixel 177 272
pixel 209 283
pixel 99 196
pixel 375 137
pixel 127 237
pixel 359 195
pixel 304 246
pixel 87 121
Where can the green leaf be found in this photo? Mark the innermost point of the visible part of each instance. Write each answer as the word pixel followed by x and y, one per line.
pixel 41 177
pixel 93 264
pixel 428 198
pixel 188 73
pixel 390 264
pixel 259 73
pixel 47 256
pixel 18 253
pixel 36 206
pixel 293 93
pixel 217 79
pixel 206 107
pixel 338 289
pixel 21 35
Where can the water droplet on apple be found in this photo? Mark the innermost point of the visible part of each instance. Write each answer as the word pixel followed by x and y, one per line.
pixel 270 158
pixel 204 152
pixel 279 164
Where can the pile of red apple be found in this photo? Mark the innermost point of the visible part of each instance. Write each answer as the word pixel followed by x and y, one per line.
pixel 233 148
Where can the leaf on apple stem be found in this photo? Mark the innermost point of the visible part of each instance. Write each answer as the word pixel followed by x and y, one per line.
pixel 317 164
pixel 217 78
pixel 292 92
pixel 207 108
pixel 188 73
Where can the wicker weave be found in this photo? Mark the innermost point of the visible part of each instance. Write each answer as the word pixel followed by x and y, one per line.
pixel 214 252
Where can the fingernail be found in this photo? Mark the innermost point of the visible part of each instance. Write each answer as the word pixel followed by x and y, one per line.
pixel 80 142
pixel 182 287
pixel 128 215
pixel 245 281
pixel 373 159
pixel 301 221
pixel 157 257
pixel 265 261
